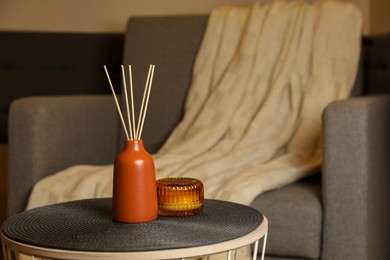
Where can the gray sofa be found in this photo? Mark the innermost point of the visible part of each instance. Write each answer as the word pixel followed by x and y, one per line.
pixel 338 214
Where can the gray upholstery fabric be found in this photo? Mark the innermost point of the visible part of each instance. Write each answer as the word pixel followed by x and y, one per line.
pixel 355 178
pixel 171 43
pixel 295 220
pixel 50 134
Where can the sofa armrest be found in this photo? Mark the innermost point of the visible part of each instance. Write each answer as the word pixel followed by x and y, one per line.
pixel 355 173
pixel 48 134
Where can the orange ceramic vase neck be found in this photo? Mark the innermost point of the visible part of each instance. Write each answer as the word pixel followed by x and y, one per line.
pixel 134 189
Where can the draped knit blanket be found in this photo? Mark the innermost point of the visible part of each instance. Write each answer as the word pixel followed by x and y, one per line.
pixel 252 120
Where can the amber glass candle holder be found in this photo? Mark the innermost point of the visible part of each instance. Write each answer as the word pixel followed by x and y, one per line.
pixel 179 196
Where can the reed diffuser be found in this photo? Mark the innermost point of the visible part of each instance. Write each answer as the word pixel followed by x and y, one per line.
pixel 134 197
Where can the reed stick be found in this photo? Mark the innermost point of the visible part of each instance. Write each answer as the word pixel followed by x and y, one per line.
pixel 132 99
pixel 116 102
pixel 127 103
pixel 143 103
pixel 147 101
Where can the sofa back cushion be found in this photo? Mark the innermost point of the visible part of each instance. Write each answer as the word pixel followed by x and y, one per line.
pixel 170 43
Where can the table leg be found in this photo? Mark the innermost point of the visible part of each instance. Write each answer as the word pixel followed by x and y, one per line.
pixel 10 254
pixel 264 244
pixel 4 249
pixel 255 250
pixel 229 255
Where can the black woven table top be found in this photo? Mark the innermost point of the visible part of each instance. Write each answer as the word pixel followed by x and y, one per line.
pixel 86 225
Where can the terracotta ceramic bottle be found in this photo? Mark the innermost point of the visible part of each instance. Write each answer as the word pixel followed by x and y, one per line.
pixel 134 190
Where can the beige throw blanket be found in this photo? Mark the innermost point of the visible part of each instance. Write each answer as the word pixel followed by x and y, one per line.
pixel 252 122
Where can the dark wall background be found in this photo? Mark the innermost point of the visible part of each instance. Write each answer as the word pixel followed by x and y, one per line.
pixel 40 63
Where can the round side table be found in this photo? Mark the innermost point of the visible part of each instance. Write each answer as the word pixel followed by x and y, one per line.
pixel 84 229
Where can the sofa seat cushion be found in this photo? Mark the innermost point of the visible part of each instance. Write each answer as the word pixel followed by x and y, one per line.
pixel 295 219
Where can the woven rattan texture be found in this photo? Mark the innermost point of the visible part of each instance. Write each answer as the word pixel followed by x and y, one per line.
pixel 86 225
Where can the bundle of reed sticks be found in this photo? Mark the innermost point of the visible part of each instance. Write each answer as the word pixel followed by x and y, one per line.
pixel 135 130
